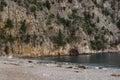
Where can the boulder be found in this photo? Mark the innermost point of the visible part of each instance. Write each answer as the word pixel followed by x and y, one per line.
pixel 82 66
pixel 74 52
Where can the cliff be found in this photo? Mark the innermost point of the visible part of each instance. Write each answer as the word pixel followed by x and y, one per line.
pixel 58 27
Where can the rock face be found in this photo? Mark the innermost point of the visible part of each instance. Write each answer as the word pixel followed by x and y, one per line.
pixel 55 27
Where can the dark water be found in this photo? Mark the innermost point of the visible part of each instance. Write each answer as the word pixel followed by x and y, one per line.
pixel 106 60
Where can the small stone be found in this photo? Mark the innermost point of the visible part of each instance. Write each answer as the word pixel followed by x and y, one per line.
pixel 76 71
pixel 59 65
pixel 30 61
pixel 100 67
pixel 70 67
pixel 115 75
pixel 82 66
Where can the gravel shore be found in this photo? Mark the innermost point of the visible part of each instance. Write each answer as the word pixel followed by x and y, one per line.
pixel 23 69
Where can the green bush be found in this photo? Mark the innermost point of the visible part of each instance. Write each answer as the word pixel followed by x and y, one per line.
pixel 75 19
pixel 93 15
pixel 10 38
pixel 9 23
pixel 70 38
pixel 2 5
pixel 106 12
pixel 64 22
pixel 60 39
pixel 89 27
pixel 118 24
pixel 23 27
pixel 6 50
pixel 87 15
pixel 97 44
pixel 27 39
pixel 70 1
pixel 98 20
pixel 113 4
pixel 51 16
pixel 47 4
pixel 33 8
pixel 74 11
pixel 40 5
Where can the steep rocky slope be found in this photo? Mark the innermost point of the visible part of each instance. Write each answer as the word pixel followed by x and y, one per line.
pixel 58 27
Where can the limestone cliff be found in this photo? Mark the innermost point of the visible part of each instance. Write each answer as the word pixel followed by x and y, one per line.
pixel 55 27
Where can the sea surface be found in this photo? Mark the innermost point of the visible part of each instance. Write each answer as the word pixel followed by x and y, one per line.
pixel 102 59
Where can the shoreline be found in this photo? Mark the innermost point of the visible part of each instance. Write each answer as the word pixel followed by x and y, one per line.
pixel 88 66
pixel 93 66
pixel 41 61
pixel 109 52
pixel 25 69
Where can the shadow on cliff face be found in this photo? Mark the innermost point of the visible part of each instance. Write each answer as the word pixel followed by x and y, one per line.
pixel 73 52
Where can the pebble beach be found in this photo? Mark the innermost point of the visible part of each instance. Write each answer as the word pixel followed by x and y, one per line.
pixel 24 69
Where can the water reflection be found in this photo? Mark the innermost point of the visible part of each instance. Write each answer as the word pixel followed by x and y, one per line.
pixel 112 60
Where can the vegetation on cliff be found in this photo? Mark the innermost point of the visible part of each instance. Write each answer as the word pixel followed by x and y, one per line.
pixel 47 27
